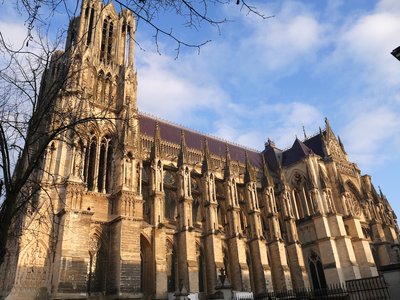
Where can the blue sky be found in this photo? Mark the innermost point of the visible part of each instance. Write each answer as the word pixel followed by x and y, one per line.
pixel 260 79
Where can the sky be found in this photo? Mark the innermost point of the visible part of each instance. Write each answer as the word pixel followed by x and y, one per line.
pixel 258 79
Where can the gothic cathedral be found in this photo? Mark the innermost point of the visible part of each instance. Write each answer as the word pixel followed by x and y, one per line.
pixel 133 207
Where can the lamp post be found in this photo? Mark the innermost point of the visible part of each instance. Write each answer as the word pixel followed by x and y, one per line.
pixel 396 53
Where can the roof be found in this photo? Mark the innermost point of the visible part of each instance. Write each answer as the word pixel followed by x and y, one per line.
pixel 172 133
pixel 298 151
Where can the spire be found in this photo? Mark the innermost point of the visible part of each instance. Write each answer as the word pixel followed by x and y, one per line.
pixel 341 145
pixel 248 176
pixel 182 156
pixel 227 171
pixel 304 132
pixel 382 195
pixel 206 157
pixel 328 130
pixel 156 149
pixel 267 178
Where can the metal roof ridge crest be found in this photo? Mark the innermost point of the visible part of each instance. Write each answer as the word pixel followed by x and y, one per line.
pixel 196 131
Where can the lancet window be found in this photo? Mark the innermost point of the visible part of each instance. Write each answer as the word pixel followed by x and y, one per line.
pixel 103 39
pixel 110 39
pixel 127 31
pixel 170 205
pixel 90 161
pixel 103 89
pixel 98 165
pixel 105 159
pixel 316 271
pixel 89 13
pixel 106 41
pixel 169 184
pixel 301 204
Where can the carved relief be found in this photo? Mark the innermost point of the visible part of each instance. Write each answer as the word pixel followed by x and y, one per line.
pixel 34 265
pixel 335 150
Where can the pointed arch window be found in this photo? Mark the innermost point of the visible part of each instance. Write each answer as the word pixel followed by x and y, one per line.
pixel 102 159
pixel 127 42
pixel 110 41
pixel 105 166
pixel 90 26
pixel 103 40
pixel 316 271
pixel 90 161
pixel 170 205
pixel 109 167
pixel 301 205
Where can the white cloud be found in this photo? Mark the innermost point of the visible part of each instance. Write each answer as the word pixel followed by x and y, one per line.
pixel 14 33
pixel 388 6
pixel 252 125
pixel 371 134
pixel 369 42
pixel 172 90
pixel 290 38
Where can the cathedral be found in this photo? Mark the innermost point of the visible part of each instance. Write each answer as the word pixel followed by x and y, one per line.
pixel 135 207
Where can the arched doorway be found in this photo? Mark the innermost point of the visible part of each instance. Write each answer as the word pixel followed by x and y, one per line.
pixel 171 267
pixel 146 268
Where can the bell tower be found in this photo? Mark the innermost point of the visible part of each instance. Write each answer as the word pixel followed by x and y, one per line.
pixel 103 201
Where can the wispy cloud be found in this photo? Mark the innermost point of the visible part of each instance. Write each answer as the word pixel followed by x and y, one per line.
pixel 292 37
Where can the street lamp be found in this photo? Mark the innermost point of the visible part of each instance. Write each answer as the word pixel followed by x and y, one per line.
pixel 396 53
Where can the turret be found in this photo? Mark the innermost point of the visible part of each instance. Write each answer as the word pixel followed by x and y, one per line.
pixel 156 148
pixel 267 180
pixel 207 164
pixel 183 153
pixel 228 166
pixel 249 175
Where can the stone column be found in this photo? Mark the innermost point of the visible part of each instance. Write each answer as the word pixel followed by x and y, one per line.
pixel 262 281
pixel 187 259
pixel 336 250
pixel 279 265
pixel 361 248
pixel 159 245
pixel 236 245
pixel 213 246
pixel 293 247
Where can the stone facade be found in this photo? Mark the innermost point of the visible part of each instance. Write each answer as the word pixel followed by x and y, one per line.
pixel 136 207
